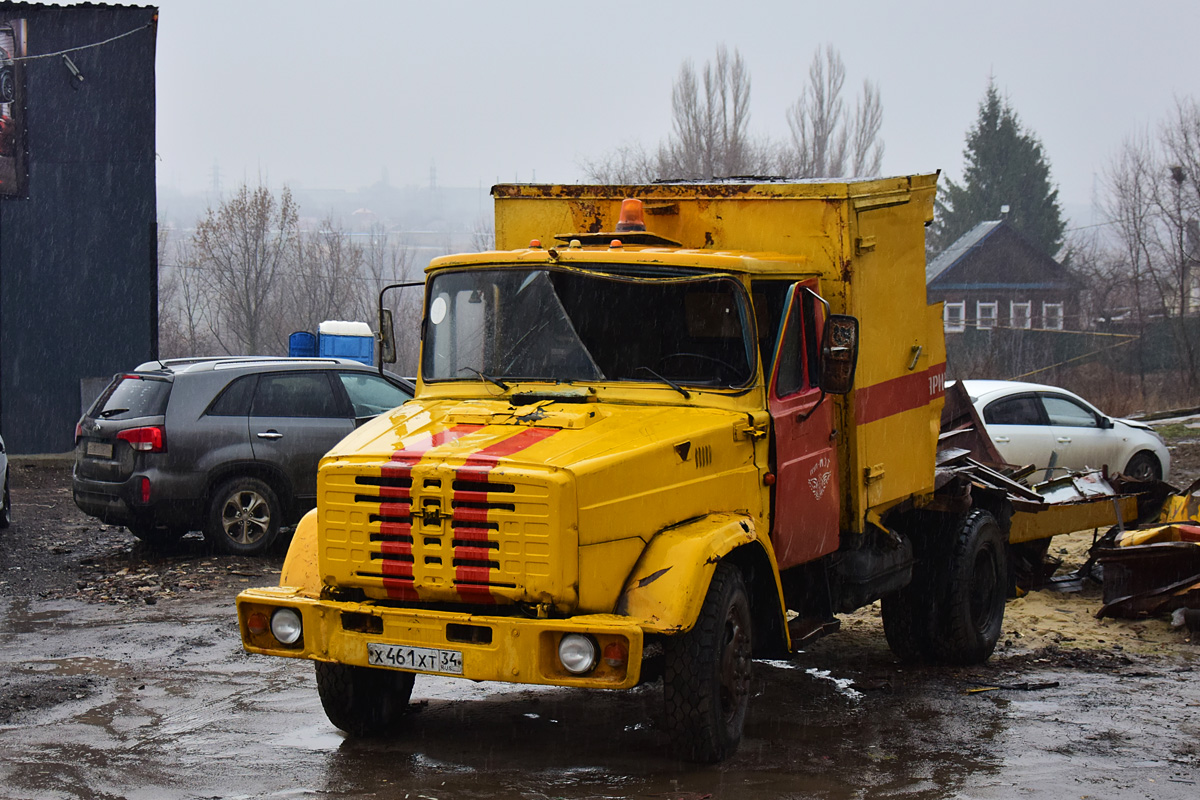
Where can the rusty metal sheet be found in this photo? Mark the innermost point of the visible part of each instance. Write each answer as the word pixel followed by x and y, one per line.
pixel 1055 518
pixel 1149 578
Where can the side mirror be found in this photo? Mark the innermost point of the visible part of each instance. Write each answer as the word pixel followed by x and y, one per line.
pixel 1106 422
pixel 387 338
pixel 839 353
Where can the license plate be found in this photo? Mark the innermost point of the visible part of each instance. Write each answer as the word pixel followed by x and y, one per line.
pixel 100 449
pixel 417 659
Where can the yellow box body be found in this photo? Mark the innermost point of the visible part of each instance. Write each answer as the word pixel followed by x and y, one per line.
pixel 608 516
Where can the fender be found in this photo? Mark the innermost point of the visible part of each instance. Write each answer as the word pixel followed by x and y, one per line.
pixel 666 589
pixel 300 569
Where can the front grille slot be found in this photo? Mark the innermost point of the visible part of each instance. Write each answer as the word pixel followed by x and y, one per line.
pixel 481 544
pixel 478 525
pixel 470 562
pixel 402 519
pixel 483 487
pixel 483 506
pixel 383 536
pixel 406 558
pixel 384 480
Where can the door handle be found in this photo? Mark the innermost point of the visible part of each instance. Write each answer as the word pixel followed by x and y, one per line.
pixel 1001 439
pixel 1064 440
pixel 270 435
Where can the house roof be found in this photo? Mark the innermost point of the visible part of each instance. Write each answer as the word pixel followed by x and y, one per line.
pixel 995 255
pixel 961 247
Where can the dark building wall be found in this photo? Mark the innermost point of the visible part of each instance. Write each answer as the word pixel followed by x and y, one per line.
pixel 78 274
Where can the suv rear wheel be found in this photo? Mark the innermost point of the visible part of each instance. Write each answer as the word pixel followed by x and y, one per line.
pixel 243 516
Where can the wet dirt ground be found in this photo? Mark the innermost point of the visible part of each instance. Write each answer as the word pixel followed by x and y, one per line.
pixel 121 676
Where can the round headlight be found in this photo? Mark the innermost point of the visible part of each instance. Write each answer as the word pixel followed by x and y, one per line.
pixel 577 653
pixel 285 625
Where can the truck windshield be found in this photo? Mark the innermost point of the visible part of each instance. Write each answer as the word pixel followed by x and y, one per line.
pixel 572 325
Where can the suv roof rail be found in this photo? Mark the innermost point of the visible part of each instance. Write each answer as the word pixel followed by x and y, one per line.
pixel 174 364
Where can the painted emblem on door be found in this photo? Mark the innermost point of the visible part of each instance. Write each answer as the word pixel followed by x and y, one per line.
pixel 818 477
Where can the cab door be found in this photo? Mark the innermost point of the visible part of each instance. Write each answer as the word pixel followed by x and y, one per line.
pixel 804 522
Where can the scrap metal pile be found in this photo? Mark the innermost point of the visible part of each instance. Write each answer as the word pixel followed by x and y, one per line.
pixel 1148 560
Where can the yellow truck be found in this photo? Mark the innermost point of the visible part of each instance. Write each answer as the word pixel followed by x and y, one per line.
pixel 661 431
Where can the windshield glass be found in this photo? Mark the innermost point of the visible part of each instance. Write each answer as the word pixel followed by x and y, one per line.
pixel 562 325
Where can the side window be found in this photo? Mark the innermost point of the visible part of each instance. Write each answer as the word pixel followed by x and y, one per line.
pixel 954 317
pixel 1065 411
pixel 798 347
pixel 295 394
pixel 1014 411
pixel 234 401
pixel 371 394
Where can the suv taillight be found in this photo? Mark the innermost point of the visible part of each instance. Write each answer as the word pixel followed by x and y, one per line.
pixel 147 440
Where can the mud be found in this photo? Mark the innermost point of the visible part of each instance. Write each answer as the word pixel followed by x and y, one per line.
pixel 121 675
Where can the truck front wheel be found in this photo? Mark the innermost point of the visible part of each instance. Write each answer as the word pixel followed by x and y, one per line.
pixel 976 587
pixel 706 673
pixel 363 701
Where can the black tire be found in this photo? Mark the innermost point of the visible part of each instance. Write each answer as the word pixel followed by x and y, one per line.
pixel 156 536
pixel 970 614
pixel 1143 466
pixel 6 508
pixel 364 701
pixel 706 673
pixel 243 517
pixel 908 622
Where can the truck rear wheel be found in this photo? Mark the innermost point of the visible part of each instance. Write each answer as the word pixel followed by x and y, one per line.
pixel 706 673
pixel 363 701
pixel 908 621
pixel 971 613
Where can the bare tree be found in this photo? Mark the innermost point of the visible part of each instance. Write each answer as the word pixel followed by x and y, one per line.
pixel 483 234
pixel 183 328
pixel 1152 206
pixel 324 277
pixel 242 247
pixel 710 113
pixel 825 139
pixel 386 261
pixel 628 164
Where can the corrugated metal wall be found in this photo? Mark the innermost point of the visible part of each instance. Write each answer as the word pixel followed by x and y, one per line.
pixel 78 276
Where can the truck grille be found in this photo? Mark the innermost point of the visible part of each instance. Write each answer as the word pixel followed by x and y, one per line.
pixel 438 532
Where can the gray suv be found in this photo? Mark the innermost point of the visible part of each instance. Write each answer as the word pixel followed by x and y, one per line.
pixel 228 446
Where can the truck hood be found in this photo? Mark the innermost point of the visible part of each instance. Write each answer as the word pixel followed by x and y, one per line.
pixel 577 436
pixel 635 468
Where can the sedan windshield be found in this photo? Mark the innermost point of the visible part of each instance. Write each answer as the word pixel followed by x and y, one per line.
pixel 572 325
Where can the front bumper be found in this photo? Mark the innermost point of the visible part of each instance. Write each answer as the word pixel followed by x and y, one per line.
pixel 493 648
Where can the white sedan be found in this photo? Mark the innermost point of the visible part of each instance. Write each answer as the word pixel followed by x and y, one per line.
pixel 1059 431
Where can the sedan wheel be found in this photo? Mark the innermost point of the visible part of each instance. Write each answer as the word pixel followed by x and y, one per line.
pixel 243 517
pixel 1143 467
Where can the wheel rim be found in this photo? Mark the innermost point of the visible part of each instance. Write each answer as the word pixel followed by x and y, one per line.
pixel 245 517
pixel 985 582
pixel 735 664
pixel 1141 469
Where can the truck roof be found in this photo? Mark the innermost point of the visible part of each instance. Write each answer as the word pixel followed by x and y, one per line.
pixel 697 261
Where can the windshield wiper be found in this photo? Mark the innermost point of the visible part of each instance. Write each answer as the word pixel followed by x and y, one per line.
pixel 686 394
pixel 496 381
pixel 111 412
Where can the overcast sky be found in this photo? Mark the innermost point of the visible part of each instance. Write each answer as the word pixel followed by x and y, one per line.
pixel 329 95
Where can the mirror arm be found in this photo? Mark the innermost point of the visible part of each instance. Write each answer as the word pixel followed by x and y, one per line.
pixel 380 318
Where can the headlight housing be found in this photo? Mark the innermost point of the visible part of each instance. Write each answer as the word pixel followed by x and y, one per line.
pixel 577 653
pixel 286 625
